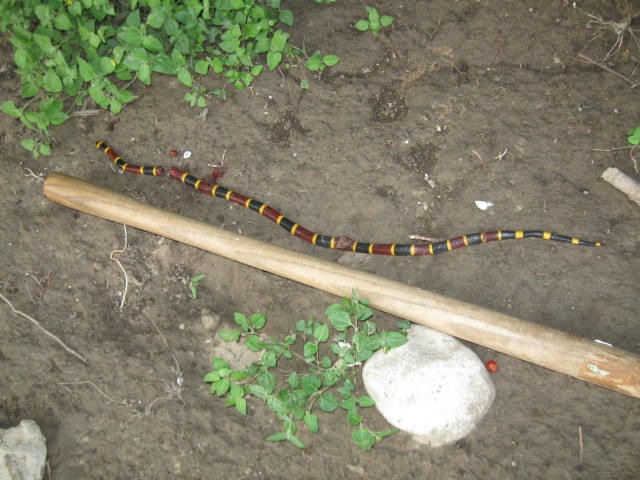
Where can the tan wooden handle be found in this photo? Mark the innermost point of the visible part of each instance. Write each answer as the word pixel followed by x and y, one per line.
pixel 578 357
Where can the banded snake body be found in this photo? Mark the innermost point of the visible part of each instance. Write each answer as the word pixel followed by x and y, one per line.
pixel 327 241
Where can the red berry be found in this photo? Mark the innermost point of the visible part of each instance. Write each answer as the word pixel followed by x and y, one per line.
pixel 492 366
pixel 173 153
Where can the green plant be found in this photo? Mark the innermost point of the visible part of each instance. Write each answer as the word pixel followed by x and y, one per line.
pixel 193 284
pixel 374 21
pixel 634 136
pixel 331 354
pixel 68 52
pixel 318 62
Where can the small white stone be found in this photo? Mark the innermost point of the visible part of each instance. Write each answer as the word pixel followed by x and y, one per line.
pixel 433 387
pixel 484 205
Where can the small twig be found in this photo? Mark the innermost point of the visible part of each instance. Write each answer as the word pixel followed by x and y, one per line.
pixel 85 113
pixel 587 59
pixel 423 238
pixel 581 445
pixel 124 272
pixel 89 382
pixel 30 173
pixel 44 330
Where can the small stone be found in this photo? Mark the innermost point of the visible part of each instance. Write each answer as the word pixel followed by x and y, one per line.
pixel 23 452
pixel 433 387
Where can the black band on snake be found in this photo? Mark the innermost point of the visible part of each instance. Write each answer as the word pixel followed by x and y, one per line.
pixel 338 243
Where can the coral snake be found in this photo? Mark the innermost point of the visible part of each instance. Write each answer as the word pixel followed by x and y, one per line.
pixel 326 241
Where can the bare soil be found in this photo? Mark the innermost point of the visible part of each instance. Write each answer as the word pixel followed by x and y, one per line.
pixel 489 99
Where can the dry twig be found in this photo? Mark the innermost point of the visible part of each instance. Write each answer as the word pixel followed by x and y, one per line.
pixel 44 330
pixel 124 272
pixel 588 59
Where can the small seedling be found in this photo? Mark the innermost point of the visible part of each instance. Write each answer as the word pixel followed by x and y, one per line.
pixel 318 62
pixel 193 284
pixel 331 352
pixel 634 136
pixel 374 21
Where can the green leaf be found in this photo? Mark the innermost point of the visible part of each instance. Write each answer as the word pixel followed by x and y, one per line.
pixel 185 77
pixel 293 380
pixel 229 334
pixel 634 138
pixel 268 381
pixel 257 391
pixel 330 60
pixel 241 406
pixel 105 66
pixel 255 343
pixel 353 417
pixel 45 149
pixel 29 89
pixel 277 437
pixel 217 65
pixel 221 387
pixel 230 46
pixel 194 283
pixel 131 36
pixel 268 359
pixel 22 59
pixel 273 60
pixel 295 441
pixel 144 73
pixel 321 332
pixel 338 317
pixel 386 20
pixel 286 17
pixel 163 64
pixel 395 339
pixel 325 362
pixel 362 25
pixel 201 67
pixel 62 22
pixel 364 355
pixel 152 44
pixel 373 14
pixel 44 42
pixel 366 401
pixel 327 403
pixel 330 378
pixel 258 320
pixel 10 109
pixel 86 70
pixel 310 384
pixel 279 40
pixel 136 58
pixel 157 17
pixel 211 377
pixel 363 438
pixel 310 350
pixel 219 363
pixel 51 82
pixel 311 421
pixel 125 96
pixel 98 96
pixel 28 144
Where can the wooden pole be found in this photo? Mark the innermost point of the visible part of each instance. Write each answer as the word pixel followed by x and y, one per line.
pixel 578 357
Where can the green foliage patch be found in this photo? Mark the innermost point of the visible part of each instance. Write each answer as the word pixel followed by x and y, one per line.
pixel 331 353
pixel 68 52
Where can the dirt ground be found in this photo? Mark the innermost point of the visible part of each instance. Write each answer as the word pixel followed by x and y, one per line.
pixel 457 102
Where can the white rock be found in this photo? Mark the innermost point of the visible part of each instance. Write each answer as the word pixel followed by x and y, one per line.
pixel 23 452
pixel 433 387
